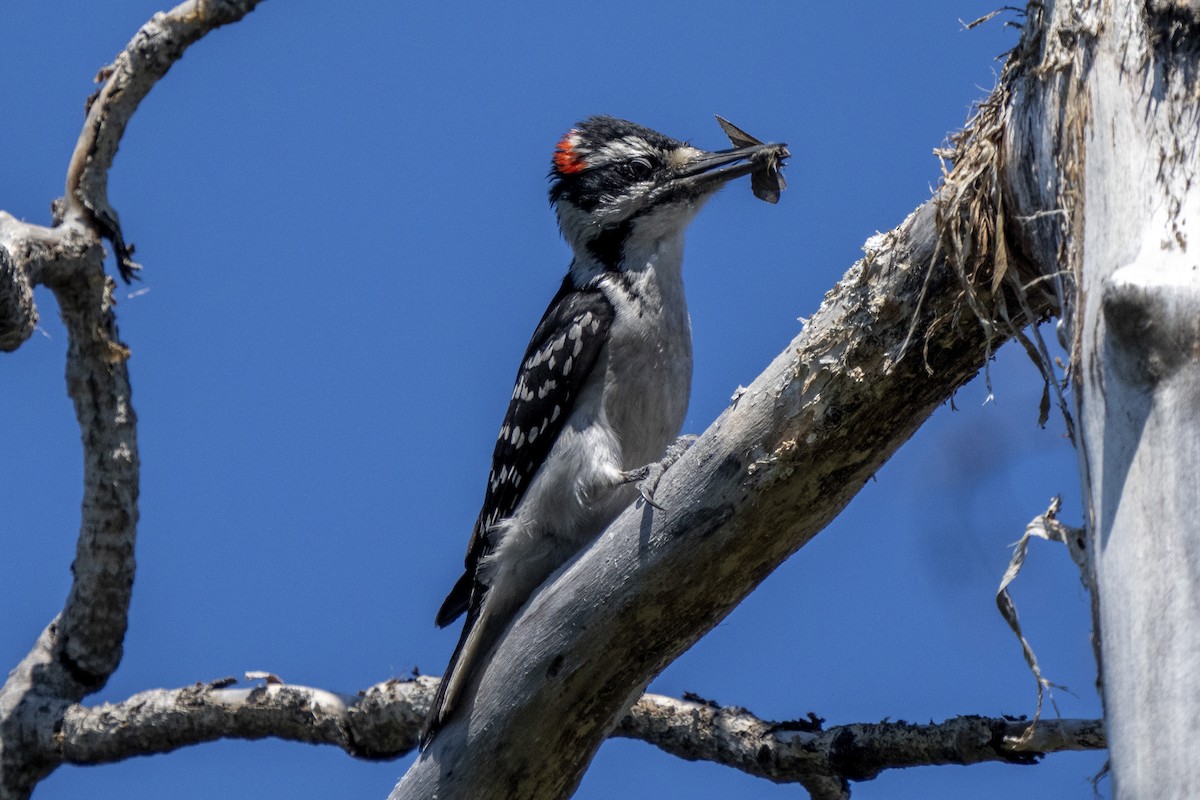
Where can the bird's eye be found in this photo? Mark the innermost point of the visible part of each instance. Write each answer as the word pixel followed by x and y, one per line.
pixel 640 168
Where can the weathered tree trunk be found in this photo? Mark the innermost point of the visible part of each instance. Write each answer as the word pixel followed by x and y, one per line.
pixel 1103 144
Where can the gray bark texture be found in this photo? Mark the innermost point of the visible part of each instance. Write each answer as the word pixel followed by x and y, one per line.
pixel 384 722
pixel 1070 193
pixel 1104 135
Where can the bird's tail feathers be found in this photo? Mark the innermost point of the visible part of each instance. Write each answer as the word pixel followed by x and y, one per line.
pixel 479 634
pixel 457 601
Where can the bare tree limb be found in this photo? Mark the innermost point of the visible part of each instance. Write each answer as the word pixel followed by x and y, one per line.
pixel 381 722
pixel 823 761
pixel 126 82
pixel 18 315
pixel 79 650
pixel 31 255
pixel 384 722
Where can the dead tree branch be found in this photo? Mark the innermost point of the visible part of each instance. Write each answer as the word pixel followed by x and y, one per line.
pixel 384 721
pixel 825 760
pixel 81 647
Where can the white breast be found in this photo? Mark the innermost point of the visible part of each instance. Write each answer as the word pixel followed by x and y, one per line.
pixel 649 366
pixel 631 409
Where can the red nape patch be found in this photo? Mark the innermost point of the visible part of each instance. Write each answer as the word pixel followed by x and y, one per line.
pixel 566 159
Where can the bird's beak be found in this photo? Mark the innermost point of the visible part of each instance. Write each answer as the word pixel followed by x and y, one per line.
pixel 711 170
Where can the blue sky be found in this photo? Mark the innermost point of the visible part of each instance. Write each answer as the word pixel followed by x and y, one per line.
pixel 342 215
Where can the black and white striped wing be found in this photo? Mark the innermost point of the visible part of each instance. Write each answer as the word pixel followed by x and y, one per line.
pixel 558 361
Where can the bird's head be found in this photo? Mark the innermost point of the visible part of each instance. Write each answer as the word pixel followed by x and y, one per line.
pixel 611 178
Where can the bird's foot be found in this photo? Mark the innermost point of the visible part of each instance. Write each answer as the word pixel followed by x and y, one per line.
pixel 647 477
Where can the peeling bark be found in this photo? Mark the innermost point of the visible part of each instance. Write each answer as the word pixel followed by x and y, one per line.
pixel 1108 104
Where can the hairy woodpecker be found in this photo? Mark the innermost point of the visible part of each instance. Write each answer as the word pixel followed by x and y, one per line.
pixel 603 386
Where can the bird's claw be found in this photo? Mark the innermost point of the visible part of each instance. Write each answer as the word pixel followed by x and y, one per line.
pixel 648 485
pixel 647 477
pixel 646 481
